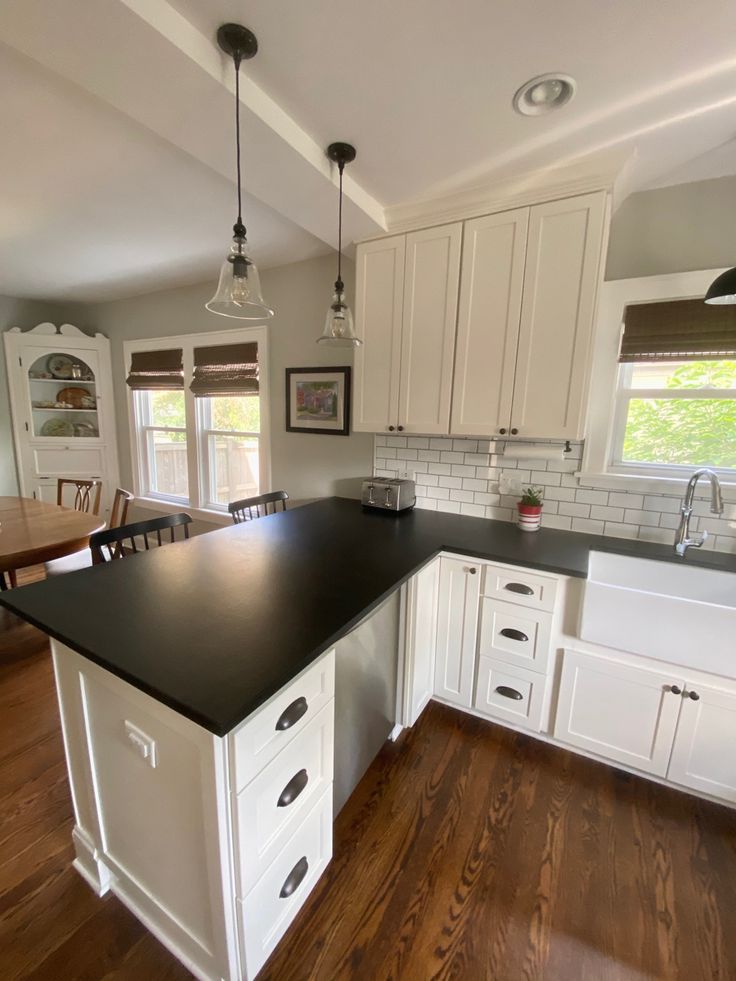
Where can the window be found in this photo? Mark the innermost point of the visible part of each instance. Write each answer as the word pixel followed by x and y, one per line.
pixel 199 414
pixel 675 414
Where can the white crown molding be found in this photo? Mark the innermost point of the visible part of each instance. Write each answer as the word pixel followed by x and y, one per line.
pixel 489 199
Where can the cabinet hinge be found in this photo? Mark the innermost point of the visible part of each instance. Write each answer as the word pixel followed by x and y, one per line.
pixel 27 429
pixel 20 361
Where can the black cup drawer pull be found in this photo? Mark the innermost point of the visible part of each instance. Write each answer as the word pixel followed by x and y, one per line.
pixel 519 587
pixel 295 878
pixel 509 692
pixel 513 634
pixel 292 713
pixel 293 788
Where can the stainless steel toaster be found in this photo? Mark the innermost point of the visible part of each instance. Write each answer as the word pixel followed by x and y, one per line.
pixel 389 493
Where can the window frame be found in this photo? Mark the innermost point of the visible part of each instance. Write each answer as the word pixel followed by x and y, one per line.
pixel 198 463
pixel 605 417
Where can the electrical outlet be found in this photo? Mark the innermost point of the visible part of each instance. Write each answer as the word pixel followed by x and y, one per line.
pixel 143 744
pixel 407 475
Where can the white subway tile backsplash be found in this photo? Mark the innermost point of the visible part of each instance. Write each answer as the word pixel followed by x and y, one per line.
pixel 606 513
pixel 556 521
pixel 659 503
pixel 462 476
pixel 587 526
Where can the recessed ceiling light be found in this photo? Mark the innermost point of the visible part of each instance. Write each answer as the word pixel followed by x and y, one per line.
pixel 544 93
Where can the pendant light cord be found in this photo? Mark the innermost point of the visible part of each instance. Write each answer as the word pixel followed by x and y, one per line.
pixel 339 285
pixel 239 228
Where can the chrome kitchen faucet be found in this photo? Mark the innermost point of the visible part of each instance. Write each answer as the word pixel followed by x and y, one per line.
pixel 682 535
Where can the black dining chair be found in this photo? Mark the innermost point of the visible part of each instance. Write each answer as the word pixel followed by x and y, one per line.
pixel 141 536
pixel 251 508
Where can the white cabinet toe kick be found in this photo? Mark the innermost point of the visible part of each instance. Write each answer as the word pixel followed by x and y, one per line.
pixel 215 843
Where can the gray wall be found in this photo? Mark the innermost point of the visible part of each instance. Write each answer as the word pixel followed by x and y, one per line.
pixel 24 314
pixel 307 466
pixel 674 229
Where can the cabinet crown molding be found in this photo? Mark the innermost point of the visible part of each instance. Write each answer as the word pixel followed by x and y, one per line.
pixel 487 199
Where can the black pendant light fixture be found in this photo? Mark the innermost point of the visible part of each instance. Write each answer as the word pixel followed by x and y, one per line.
pixel 339 329
pixel 723 288
pixel 239 289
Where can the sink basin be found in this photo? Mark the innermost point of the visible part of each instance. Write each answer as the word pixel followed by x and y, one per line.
pixel 673 612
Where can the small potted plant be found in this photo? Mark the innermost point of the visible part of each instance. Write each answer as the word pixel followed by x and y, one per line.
pixel 530 509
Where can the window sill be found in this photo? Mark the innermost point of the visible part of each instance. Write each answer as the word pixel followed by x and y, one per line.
pixel 172 507
pixel 643 484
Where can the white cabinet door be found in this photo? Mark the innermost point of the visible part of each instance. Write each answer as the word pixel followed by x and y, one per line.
pixel 428 334
pixel 703 756
pixel 494 249
pixel 457 628
pixel 619 711
pixel 563 268
pixel 378 313
pixel 421 640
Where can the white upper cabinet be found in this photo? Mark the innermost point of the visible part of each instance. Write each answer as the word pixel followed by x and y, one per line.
pixel 431 278
pixel 563 260
pixel 379 304
pixel 494 248
pixel 512 356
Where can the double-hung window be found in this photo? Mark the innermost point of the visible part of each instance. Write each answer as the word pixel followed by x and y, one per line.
pixel 675 403
pixel 199 418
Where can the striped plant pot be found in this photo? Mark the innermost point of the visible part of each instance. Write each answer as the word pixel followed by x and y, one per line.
pixel 530 516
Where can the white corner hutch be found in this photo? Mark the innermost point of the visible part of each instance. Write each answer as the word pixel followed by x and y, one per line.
pixel 58 435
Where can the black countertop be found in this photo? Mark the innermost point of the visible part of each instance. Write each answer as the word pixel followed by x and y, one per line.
pixel 214 626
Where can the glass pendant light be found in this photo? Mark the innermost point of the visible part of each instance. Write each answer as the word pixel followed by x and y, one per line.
pixel 239 289
pixel 339 330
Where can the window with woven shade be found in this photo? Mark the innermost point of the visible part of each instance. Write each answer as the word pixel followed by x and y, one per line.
pixel 676 397
pixel 198 437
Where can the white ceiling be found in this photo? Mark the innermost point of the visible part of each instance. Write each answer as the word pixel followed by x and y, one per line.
pixel 116 157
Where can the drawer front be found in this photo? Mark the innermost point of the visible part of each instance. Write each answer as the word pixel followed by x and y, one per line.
pixel 271 806
pixel 272 727
pixel 268 909
pixel 513 634
pixel 509 693
pixel 520 587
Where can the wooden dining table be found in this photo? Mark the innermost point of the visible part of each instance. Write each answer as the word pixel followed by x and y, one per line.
pixel 32 532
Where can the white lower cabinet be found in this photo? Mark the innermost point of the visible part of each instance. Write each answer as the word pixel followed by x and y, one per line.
pixel 267 911
pixel 509 693
pixel 703 756
pixel 457 629
pixel 621 711
pixel 421 647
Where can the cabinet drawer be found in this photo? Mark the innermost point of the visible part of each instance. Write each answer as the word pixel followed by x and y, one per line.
pixel 276 723
pixel 268 909
pixel 520 587
pixel 270 807
pixel 513 634
pixel 510 694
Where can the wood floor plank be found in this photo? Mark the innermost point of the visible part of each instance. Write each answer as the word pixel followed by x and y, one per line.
pixel 467 852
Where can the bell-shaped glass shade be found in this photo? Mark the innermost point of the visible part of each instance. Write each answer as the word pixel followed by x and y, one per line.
pixel 723 289
pixel 339 330
pixel 239 290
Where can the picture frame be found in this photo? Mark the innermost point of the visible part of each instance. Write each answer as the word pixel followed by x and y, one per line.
pixel 318 400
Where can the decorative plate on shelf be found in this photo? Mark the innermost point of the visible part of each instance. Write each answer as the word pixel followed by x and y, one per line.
pixel 85 429
pixel 57 427
pixel 60 365
pixel 77 398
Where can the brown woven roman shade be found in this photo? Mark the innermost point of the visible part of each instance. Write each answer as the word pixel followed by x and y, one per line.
pixel 153 370
pixel 678 330
pixel 228 369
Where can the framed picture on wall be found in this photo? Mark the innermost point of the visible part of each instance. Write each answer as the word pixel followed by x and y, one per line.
pixel 318 401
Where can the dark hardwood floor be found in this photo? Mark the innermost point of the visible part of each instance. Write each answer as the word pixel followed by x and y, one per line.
pixel 467 852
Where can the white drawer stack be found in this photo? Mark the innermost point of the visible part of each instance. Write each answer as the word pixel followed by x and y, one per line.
pixel 281 772
pixel 514 645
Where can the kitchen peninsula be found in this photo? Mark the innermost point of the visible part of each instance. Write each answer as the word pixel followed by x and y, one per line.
pixel 198 698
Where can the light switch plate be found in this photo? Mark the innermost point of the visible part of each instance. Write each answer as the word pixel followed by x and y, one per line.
pixel 143 744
